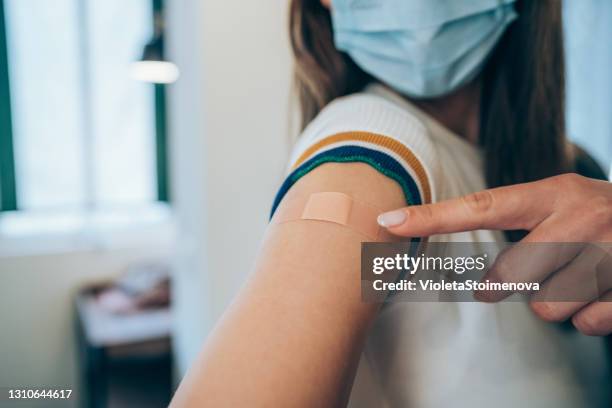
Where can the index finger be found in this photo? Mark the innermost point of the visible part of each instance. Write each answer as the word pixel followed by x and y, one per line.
pixel 521 206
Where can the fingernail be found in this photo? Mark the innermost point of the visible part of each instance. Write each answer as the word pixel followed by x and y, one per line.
pixel 392 218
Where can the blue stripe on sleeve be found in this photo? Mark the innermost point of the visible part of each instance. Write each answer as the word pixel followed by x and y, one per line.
pixel 381 161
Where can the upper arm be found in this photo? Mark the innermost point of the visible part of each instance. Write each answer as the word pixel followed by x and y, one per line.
pixel 295 331
pixel 300 315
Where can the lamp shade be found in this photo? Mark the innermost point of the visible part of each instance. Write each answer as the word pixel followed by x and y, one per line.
pixel 152 67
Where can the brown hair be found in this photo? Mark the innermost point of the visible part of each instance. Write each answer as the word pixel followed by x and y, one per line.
pixel 522 127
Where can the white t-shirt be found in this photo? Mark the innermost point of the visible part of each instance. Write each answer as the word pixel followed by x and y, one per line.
pixel 437 354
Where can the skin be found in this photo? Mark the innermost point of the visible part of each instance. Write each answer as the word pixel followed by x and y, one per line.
pixel 300 314
pixel 548 209
pixel 459 111
pixel 294 333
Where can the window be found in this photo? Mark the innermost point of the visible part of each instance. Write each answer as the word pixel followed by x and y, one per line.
pixel 76 132
pixel 588 28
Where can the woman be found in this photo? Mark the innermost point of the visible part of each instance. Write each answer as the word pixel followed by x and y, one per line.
pixel 404 102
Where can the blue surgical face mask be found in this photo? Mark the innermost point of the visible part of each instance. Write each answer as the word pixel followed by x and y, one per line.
pixel 421 48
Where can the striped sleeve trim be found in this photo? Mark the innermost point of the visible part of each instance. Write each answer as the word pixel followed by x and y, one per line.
pixel 386 155
pixel 376 141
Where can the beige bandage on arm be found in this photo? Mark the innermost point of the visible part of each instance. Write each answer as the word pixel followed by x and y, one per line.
pixel 334 207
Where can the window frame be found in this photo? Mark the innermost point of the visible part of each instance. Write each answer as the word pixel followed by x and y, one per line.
pixel 8 186
pixel 161 125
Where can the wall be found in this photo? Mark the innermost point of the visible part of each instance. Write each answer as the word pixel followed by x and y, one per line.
pixel 228 121
pixel 229 143
pixel 37 342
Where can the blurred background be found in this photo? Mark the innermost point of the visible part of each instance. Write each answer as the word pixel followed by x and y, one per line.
pixel 141 143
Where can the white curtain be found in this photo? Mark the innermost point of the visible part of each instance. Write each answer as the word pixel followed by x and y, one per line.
pixel 588 42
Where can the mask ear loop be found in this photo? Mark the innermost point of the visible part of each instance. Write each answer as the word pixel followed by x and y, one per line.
pixel 332 207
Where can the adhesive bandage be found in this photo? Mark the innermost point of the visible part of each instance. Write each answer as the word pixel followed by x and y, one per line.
pixel 334 207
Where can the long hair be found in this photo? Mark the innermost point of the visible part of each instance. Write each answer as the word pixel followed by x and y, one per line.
pixel 522 123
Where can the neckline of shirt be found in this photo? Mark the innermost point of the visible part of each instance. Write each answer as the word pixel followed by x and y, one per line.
pixel 436 129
